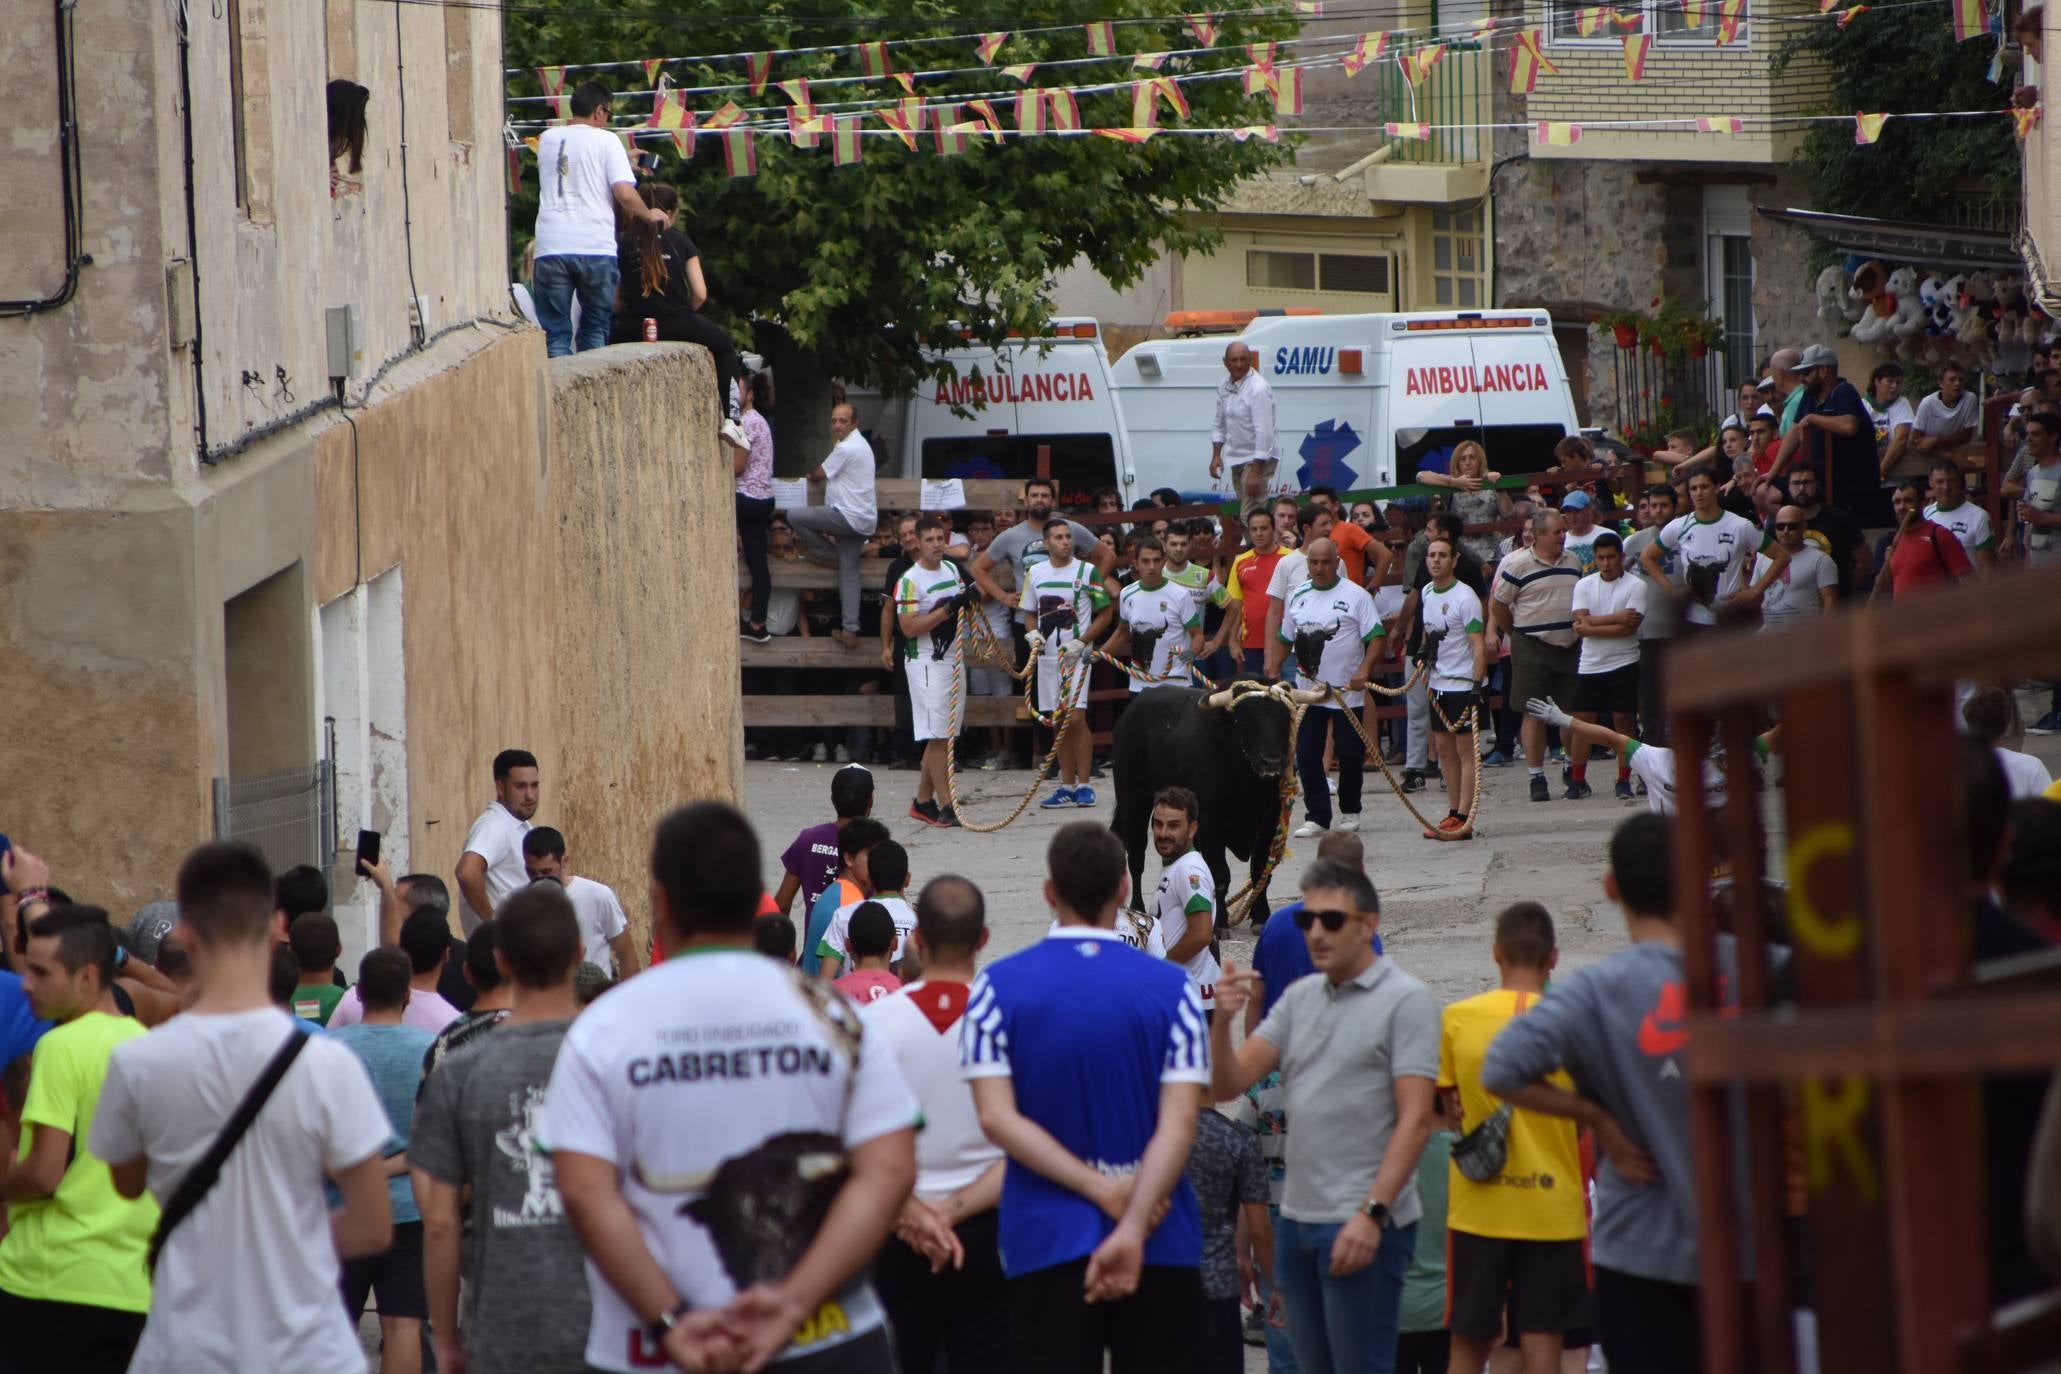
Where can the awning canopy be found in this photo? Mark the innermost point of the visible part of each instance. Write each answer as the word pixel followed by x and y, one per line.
pixel 1934 245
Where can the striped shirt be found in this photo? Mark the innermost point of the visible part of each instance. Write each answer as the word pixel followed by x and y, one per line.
pixel 1087 1029
pixel 1540 595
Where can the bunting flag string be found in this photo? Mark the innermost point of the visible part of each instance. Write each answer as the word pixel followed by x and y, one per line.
pixel 1719 124
pixel 1555 134
pixel 2023 120
pixel 805 129
pixel 1144 105
pixel 1971 19
pixel 796 89
pixel 552 79
pixel 1030 112
pixel 916 113
pixel 1694 12
pixel 906 80
pixel 990 122
pixel 728 115
pixel 1101 39
pixel 1265 132
pixel 757 68
pixel 1126 135
pixel 873 59
pixel 1416 131
pixel 1730 15
pixel 1201 27
pixel 1527 60
pixel 899 122
pixel 989 45
pixel 1288 92
pixel 844 140
pixel 949 138
pixel 1868 127
pixel 1148 61
pixel 651 66
pixel 1066 111
pixel 1261 80
pixel 1175 96
pixel 1021 72
pixel 1635 47
pixel 740 153
pixel 1368 49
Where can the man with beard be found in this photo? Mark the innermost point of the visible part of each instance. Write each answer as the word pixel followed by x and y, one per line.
pixel 491 867
pixel 1837 534
pixel 1185 906
pixel 1022 545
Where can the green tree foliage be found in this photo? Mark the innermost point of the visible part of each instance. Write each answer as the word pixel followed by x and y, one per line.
pixel 1904 60
pixel 850 271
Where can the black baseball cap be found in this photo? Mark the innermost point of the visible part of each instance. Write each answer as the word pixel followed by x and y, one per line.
pixel 851 790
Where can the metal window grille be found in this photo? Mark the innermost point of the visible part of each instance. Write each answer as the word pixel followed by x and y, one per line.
pixel 290 816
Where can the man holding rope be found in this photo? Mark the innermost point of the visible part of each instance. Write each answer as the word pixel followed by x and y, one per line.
pixel 1457 649
pixel 1333 631
pixel 928 599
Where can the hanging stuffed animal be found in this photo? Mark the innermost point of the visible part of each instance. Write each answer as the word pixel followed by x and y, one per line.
pixel 1907 316
pixel 1832 296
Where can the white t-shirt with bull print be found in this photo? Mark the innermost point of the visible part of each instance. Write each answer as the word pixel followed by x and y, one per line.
pixel 1327 630
pixel 1167 611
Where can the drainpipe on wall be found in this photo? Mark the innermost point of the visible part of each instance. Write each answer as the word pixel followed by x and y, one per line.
pixel 68 171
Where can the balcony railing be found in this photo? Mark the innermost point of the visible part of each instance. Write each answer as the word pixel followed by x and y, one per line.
pixel 1452 99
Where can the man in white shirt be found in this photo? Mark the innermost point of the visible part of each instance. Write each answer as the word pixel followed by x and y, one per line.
pixel 1952 510
pixel 1717 549
pixel 604 926
pixel 1157 622
pixel 940 1275
pixel 840 527
pixel 250 1280
pixel 1608 610
pixel 1890 413
pixel 1947 418
pixel 1807 587
pixel 1456 643
pixel 887 873
pixel 1334 634
pixel 1185 907
pixel 583 176
pixel 1242 433
pixel 491 865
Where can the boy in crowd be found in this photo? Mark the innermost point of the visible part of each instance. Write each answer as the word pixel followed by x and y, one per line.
pixel 1514 1237
pixel 811 862
pixel 871 939
pixel 316 944
pixel 851 885
pixel 928 599
pixel 887 873
pixel 1608 609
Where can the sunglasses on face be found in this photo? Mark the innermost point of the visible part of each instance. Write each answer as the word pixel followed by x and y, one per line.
pixel 1788 525
pixel 1333 921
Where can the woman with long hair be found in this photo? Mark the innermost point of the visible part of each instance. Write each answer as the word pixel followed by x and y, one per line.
pixel 1479 505
pixel 752 464
pixel 661 280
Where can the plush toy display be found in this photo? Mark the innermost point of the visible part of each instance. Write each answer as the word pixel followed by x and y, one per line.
pixel 1924 316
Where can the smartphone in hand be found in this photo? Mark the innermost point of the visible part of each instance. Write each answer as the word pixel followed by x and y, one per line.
pixel 368 847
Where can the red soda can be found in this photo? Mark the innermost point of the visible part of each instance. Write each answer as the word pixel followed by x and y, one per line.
pixel 650 330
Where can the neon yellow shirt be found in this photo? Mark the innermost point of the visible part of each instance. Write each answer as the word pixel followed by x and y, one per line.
pixel 85 1243
pixel 1539 1194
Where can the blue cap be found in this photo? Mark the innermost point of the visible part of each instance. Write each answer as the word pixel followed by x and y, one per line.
pixel 1576 500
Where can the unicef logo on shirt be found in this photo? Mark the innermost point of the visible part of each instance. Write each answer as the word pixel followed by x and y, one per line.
pixel 1546 1182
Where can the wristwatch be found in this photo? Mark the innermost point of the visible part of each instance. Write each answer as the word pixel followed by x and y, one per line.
pixel 1376 1212
pixel 655 1330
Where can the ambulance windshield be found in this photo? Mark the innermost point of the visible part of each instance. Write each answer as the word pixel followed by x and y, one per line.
pixel 1510 448
pixel 1080 462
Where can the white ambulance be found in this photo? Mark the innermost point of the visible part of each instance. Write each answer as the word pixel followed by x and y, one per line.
pixel 1361 401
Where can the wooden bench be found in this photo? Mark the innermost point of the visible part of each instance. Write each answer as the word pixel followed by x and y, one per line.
pixel 808 712
pixel 820 651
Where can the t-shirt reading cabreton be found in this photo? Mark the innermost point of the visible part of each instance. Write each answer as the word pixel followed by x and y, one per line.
pixel 726 1089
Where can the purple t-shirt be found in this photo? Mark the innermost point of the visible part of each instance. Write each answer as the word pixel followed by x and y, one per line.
pixel 813 859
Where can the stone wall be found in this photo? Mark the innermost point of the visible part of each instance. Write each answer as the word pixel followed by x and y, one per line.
pixel 649 715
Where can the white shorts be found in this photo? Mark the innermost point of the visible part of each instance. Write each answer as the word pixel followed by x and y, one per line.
pixel 990 682
pixel 932 714
pixel 1048 682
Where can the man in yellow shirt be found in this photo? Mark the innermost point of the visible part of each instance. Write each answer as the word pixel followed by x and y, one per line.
pixel 73 1287
pixel 1514 1238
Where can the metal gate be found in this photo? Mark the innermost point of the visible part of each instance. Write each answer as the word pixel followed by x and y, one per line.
pixel 289 816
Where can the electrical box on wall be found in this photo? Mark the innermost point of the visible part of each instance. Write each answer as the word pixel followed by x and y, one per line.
pixel 179 302
pixel 418 314
pixel 344 328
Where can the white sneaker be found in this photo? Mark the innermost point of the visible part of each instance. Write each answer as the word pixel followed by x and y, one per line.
pixel 844 755
pixel 819 755
pixel 1349 821
pixel 1308 830
pixel 734 434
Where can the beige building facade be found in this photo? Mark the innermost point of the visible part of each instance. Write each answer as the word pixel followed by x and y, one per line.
pixel 238 596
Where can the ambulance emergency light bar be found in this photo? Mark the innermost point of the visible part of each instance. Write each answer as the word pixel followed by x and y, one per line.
pixel 1470 322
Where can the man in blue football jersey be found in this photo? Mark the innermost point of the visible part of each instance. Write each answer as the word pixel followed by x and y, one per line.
pixel 1084 1055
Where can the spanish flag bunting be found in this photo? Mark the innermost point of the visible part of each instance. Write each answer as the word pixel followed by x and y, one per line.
pixel 1527 60
pixel 2023 120
pixel 1288 92
pixel 797 90
pixel 669 111
pixel 1587 20
pixel 1368 49
pixel 1267 133
pixel 1126 135
pixel 757 67
pixel 740 153
pixel 916 112
pixel 1851 13
pixel 905 81
pixel 1262 78
pixel 1310 8
pixel 1066 112
pixel 947 137
pixel 874 61
pixel 1827 6
pixel 1417 65
pixel 1101 38
pixel 651 66
pixel 1730 13
pixel 844 140
pixel 1635 46
pixel 1693 12
pixel 899 123
pixel 988 118
pixel 553 81
pixel 805 128
pixel 1262 54
pixel 1416 131
pixel 1483 25
pixel 1144 105
pixel 1632 20
pixel 1148 61
pixel 683 139
pixel 1175 96
pixel 1971 20
pixel 988 45
pixel 726 116
pixel 1553 133
pixel 1868 127
pixel 1021 72
pixel 1201 27
pixel 1719 124
pixel 1030 112
pixel 530 143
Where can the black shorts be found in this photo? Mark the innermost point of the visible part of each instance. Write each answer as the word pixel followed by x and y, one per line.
pixel 1543 1284
pixel 1053 1329
pixel 1454 705
pixel 1616 691
pixel 394 1276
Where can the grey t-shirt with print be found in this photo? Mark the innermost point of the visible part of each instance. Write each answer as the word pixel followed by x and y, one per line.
pixel 1225 1169
pixel 1342 1049
pixel 526 1304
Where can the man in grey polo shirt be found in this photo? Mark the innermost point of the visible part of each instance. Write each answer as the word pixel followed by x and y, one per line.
pixel 1357 1046
pixel 1534 603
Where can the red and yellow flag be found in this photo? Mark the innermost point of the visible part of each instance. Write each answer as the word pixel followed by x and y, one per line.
pixel 1288 92
pixel 757 67
pixel 874 61
pixel 1101 38
pixel 1635 46
pixel 1694 12
pixel 669 111
pixel 948 137
pixel 1261 54
pixel 844 140
pixel 1632 20
pixel 1368 49
pixel 1719 124
pixel 1312 9
pixel 805 128
pixel 1266 133
pixel 1971 20
pixel 1030 112
pixel 1201 27
pixel 740 153
pixel 1020 72
pixel 1144 105
pixel 651 66
pixel 1066 111
pixel 728 115
pixel 1527 60
pixel 916 112
pixel 988 118
pixel 1851 13
pixel 899 123
pixel 988 45
pixel 1262 78
pixel 1868 127
pixel 1175 96
pixel 553 81
pixel 1417 131
pixel 905 81
pixel 1555 134
pixel 1148 61
pixel 1126 135
pixel 1588 19
pixel 2023 120
pixel 1730 15
pixel 1417 65
pixel 797 90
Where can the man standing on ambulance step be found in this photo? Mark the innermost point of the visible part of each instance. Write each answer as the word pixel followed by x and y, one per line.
pixel 1242 434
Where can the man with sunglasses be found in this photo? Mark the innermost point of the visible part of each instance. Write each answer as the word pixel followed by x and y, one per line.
pixel 1358 1053
pixel 1805 588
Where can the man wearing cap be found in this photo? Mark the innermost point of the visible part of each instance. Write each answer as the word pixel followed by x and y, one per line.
pixel 1833 434
pixel 1578 508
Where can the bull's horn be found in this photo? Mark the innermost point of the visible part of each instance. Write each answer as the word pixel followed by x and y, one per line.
pixel 1307 696
pixel 1217 700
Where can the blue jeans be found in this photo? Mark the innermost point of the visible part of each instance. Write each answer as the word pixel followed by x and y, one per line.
pixel 561 278
pixel 1280 1351
pixel 1348 1325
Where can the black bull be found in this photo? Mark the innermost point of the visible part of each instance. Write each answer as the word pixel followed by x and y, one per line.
pixel 1231 758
